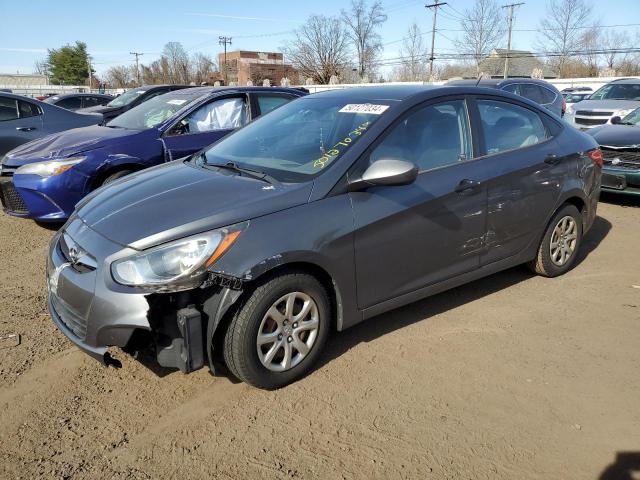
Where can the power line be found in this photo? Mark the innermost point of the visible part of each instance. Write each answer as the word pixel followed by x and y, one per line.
pixel 506 58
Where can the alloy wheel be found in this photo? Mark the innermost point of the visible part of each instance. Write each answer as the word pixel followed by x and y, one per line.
pixel 563 240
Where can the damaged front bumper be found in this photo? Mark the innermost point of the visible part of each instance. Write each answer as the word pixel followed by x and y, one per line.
pixel 95 312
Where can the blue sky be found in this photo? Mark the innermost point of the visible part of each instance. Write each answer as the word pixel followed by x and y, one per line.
pixel 113 28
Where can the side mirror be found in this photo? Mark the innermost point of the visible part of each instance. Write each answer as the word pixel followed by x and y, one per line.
pixel 616 120
pixel 386 172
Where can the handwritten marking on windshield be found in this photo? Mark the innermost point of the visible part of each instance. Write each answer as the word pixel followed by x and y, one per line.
pixel 339 147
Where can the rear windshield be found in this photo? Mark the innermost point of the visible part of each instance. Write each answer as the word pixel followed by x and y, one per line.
pixel 617 91
pixel 153 112
pixel 126 98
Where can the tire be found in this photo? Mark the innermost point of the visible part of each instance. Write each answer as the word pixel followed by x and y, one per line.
pixel 115 176
pixel 554 261
pixel 265 311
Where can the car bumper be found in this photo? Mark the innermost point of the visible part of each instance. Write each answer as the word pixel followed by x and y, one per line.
pixel 85 304
pixel 621 181
pixel 49 199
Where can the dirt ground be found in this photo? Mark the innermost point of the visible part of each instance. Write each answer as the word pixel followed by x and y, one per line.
pixel 511 377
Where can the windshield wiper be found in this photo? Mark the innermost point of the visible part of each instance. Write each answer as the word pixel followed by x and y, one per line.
pixel 258 175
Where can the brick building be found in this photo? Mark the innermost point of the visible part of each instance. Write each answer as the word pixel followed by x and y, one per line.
pixel 242 66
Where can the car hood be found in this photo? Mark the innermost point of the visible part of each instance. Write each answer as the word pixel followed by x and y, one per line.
pixel 611 105
pixel 178 199
pixel 617 135
pixel 67 143
pixel 98 109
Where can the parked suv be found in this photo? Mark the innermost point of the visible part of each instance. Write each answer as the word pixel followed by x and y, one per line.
pixel 615 99
pixel 539 91
pixel 332 209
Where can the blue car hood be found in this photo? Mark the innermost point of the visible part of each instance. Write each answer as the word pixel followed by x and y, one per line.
pixel 177 199
pixel 617 135
pixel 70 142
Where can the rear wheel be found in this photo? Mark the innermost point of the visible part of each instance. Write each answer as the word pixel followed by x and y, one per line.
pixel 277 334
pixel 559 246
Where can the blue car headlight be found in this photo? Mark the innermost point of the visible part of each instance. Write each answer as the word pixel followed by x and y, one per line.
pixel 49 168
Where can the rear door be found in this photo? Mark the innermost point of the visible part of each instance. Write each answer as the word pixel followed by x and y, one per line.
pixel 205 125
pixel 408 237
pixel 20 122
pixel 519 151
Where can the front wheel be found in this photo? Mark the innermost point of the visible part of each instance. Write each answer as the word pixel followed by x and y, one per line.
pixel 559 246
pixel 278 332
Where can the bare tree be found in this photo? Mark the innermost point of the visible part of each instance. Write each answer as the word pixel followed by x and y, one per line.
pixel 362 21
pixel 203 67
pixel 615 40
pixel 178 61
pixel 41 67
pixel 590 42
pixel 120 76
pixel 319 48
pixel 482 29
pixel 561 30
pixel 414 55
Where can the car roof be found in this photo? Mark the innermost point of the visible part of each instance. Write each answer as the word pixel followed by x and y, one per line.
pixel 79 94
pixel 199 91
pixel 499 82
pixel 626 80
pixel 385 92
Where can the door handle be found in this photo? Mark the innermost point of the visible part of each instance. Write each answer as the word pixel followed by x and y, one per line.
pixel 25 129
pixel 552 159
pixel 467 187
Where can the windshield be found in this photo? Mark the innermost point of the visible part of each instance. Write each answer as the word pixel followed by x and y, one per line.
pixel 633 118
pixel 575 97
pixel 617 91
pixel 126 98
pixel 297 141
pixel 153 112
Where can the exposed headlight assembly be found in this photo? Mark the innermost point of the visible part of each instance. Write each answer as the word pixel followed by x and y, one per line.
pixel 49 168
pixel 178 265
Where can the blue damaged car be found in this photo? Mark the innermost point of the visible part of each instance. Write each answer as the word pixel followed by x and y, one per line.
pixel 45 179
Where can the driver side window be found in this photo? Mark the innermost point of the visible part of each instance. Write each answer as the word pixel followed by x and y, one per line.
pixel 223 114
pixel 432 136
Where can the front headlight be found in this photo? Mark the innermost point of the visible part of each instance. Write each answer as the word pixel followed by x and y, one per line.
pixel 50 167
pixel 175 266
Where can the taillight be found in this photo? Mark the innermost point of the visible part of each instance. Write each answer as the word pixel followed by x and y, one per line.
pixel 564 106
pixel 596 157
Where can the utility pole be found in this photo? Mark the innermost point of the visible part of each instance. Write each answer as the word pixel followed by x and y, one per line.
pixel 433 33
pixel 137 54
pixel 90 76
pixel 225 41
pixel 506 57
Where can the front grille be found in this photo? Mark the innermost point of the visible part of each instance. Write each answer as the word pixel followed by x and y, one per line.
pixel 81 261
pixel 591 121
pixel 10 198
pixel 590 113
pixel 76 323
pixel 622 159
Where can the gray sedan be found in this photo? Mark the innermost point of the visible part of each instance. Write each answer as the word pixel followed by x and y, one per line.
pixel 24 119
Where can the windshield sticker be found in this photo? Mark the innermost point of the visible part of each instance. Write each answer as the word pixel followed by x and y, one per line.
pixel 369 108
pixel 340 147
pixel 176 102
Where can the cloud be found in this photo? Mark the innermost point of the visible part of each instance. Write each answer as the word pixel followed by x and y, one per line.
pixel 234 17
pixel 23 50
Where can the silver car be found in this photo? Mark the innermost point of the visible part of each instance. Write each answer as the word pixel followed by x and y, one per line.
pixel 615 99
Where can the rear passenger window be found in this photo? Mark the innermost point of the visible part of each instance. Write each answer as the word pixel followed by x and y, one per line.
pixel 28 109
pixel 507 126
pixel 70 103
pixel 266 103
pixel 8 109
pixel 547 96
pixel 431 137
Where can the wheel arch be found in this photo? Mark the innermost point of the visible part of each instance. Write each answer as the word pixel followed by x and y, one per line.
pixel 109 168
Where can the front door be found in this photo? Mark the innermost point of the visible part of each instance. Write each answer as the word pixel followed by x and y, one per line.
pixel 409 237
pixel 205 125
